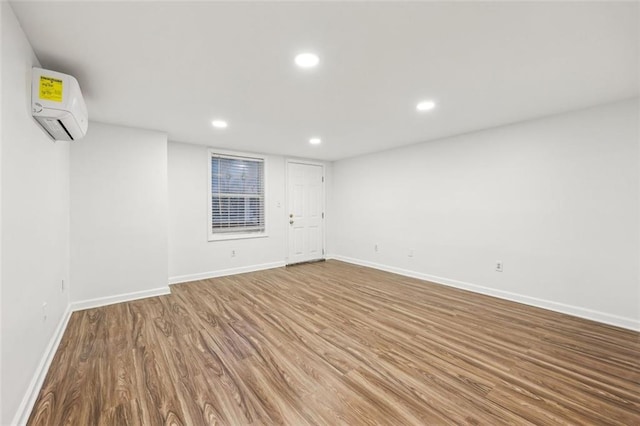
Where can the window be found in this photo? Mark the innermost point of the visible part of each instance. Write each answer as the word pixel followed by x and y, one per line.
pixel 237 197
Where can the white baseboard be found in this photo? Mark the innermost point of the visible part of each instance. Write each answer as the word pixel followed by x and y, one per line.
pixel 30 396
pixel 126 297
pixel 224 272
pixel 603 317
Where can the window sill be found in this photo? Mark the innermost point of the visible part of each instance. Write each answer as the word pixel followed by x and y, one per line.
pixel 227 237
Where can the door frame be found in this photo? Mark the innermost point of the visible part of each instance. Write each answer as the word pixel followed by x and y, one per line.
pixel 287 197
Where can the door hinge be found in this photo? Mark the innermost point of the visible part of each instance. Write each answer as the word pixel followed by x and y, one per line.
pixel 323 252
pixel 323 178
pixel 323 215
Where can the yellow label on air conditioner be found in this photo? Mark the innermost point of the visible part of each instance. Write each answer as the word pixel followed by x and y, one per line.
pixel 50 89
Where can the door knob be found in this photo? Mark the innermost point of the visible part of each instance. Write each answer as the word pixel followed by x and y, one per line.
pixel 290 214
pixel 291 222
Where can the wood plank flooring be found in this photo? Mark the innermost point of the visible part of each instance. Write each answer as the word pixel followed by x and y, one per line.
pixel 330 344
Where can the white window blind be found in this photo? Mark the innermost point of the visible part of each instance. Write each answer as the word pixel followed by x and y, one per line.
pixel 237 194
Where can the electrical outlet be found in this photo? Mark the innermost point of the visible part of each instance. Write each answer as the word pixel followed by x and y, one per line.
pixel 44 311
pixel 233 253
pixel 375 247
pixel 410 254
pixel 499 266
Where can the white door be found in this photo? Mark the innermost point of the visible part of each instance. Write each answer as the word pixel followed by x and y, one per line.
pixel 305 184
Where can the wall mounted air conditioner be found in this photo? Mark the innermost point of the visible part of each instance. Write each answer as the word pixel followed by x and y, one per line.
pixel 57 105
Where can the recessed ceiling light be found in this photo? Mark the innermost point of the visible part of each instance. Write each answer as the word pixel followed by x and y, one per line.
pixel 315 141
pixel 307 60
pixel 426 106
pixel 219 124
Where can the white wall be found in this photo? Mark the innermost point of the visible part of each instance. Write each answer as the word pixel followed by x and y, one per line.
pixel 35 225
pixel 118 214
pixel 190 253
pixel 555 199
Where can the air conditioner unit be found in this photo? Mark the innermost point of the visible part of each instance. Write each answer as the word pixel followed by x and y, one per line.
pixel 57 105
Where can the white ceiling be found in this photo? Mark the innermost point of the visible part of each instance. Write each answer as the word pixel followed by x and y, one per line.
pixel 174 66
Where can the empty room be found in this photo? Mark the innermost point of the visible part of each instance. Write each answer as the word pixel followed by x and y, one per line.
pixel 319 213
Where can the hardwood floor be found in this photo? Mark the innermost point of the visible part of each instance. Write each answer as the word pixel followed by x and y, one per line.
pixel 332 343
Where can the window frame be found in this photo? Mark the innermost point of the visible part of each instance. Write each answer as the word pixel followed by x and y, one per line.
pixel 223 236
